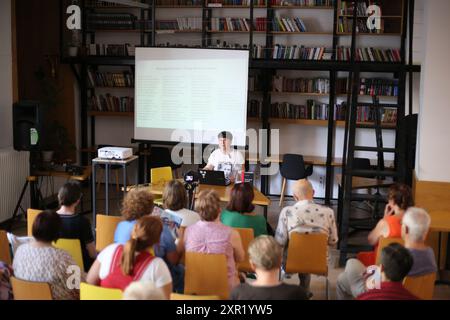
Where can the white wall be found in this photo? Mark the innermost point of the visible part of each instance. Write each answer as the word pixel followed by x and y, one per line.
pixel 434 130
pixel 6 93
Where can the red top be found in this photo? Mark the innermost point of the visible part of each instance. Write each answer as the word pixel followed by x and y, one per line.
pixel 117 279
pixel 388 291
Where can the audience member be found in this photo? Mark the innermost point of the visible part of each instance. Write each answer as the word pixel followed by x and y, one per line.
pixel 38 261
pixel 119 265
pixel 240 210
pixel 75 226
pixel 399 199
pixel 306 217
pixel 415 224
pixel 265 259
pixel 143 290
pixel 5 284
pixel 211 236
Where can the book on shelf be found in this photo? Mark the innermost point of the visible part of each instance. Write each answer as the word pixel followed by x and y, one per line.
pixel 303 3
pixel 288 24
pixel 345 25
pixel 255 83
pixel 293 52
pixel 110 79
pixel 369 54
pixel 348 8
pixel 370 86
pixel 179 2
pixel 254 109
pixel 181 23
pixel 116 50
pixel 367 114
pixel 105 4
pixel 313 110
pixel 110 103
pixel 301 85
pixel 244 3
pixel 114 21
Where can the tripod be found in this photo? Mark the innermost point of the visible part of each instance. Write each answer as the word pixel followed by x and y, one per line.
pixel 191 189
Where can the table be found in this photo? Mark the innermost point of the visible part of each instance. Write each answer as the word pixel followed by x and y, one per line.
pixel 440 222
pixel 223 192
pixel 108 163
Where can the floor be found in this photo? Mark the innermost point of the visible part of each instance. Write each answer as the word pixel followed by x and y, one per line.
pixel 442 292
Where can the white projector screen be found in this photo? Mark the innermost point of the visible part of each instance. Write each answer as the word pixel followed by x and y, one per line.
pixel 190 95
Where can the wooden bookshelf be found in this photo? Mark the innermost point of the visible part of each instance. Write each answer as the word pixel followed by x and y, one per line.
pixel 110 114
pixel 320 123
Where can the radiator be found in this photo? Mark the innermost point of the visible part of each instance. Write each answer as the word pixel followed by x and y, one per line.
pixel 14 169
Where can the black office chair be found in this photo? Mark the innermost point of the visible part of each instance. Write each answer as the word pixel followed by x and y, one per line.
pixel 293 168
pixel 161 157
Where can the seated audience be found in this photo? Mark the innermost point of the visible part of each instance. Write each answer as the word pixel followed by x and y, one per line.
pixel 38 261
pixel 265 259
pixel 211 236
pixel 396 263
pixel 399 199
pixel 138 203
pixel 305 216
pixel 119 265
pixel 5 285
pixel 143 290
pixel 415 224
pixel 75 226
pixel 240 210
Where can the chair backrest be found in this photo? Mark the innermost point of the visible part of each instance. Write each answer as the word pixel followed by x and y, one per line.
pixel 247 235
pixel 28 290
pixel 104 230
pixel 161 174
pixel 384 242
pixel 293 167
pixel 421 286
pixel 5 252
pixel 206 274
pixel 31 215
pixel 307 253
pixel 179 296
pixel 73 247
pixel 90 292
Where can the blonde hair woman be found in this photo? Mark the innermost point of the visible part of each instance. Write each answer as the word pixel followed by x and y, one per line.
pixel 119 265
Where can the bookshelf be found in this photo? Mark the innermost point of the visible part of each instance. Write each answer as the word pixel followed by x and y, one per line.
pixel 322 37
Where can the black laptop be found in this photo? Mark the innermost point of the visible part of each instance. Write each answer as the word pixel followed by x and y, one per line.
pixel 216 178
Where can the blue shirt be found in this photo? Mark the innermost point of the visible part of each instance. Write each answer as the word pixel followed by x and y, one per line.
pixel 166 241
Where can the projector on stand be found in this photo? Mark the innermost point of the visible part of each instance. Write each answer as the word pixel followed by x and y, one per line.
pixel 115 153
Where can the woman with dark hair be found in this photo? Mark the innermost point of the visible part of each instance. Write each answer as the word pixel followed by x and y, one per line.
pixel 119 265
pixel 399 200
pixel 240 210
pixel 38 261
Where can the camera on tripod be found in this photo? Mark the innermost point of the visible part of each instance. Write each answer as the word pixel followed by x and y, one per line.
pixel 191 181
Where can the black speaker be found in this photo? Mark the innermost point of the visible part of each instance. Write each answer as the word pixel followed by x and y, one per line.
pixel 28 122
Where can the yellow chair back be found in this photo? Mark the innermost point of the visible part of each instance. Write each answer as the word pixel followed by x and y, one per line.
pixel 73 247
pixel 5 252
pixel 104 230
pixel 31 215
pixel 421 286
pixel 161 175
pixel 179 296
pixel 384 242
pixel 247 235
pixel 307 253
pixel 28 290
pixel 206 274
pixel 90 292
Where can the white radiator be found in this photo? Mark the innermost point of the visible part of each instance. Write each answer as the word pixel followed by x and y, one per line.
pixel 14 169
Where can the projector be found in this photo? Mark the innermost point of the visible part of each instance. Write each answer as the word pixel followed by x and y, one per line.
pixel 116 153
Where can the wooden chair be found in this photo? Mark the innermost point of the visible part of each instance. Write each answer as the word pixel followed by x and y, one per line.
pixel 28 290
pixel 90 292
pixel 307 253
pixel 31 215
pixel 179 296
pixel 247 235
pixel 73 247
pixel 160 176
pixel 206 274
pixel 421 286
pixel 384 242
pixel 5 252
pixel 104 230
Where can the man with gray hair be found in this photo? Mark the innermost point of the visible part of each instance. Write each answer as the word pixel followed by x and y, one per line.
pixel 265 259
pixel 415 225
pixel 306 217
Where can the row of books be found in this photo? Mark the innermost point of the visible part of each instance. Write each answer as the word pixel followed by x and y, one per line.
pixel 110 79
pixel 254 83
pixel 254 109
pixel 283 84
pixel 244 3
pixel 111 103
pixel 347 8
pixel 183 23
pixel 367 86
pixel 367 114
pixel 104 4
pixel 179 2
pixel 116 50
pixel 230 24
pixel 288 24
pixel 102 20
pixel 280 51
pixel 345 25
pixel 369 54
pixel 313 110
pixel 303 3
